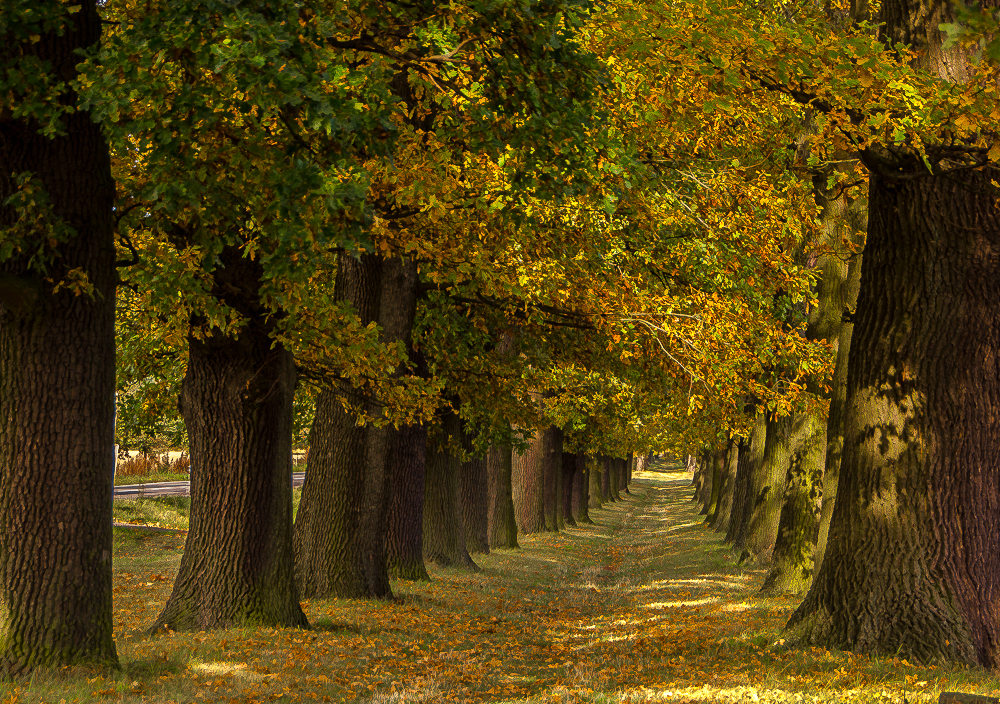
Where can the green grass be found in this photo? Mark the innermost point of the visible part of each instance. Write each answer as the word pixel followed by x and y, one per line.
pixel 123 479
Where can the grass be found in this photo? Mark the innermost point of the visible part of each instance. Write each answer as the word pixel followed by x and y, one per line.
pixel 644 606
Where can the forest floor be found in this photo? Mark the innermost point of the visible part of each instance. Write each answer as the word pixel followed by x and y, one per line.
pixel 645 605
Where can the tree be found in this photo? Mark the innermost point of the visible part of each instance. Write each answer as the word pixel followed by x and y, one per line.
pixel 57 300
pixel 913 531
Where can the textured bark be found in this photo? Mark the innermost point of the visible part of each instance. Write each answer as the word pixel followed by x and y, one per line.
pixel 913 536
pixel 237 568
pixel 327 550
pixel 767 489
pixel 722 480
pixel 528 481
pixel 596 474
pixel 501 524
pixel 609 480
pixel 444 534
pixel 341 529
pixel 581 490
pixel 714 460
pixel 552 470
pixel 835 418
pixel 396 314
pixel 792 561
pixel 750 459
pixel 570 468
pixel 405 534
pixel 57 370
pixel 730 460
pixel 474 504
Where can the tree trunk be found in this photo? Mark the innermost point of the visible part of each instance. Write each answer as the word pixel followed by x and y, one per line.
pixel 767 489
pixel 913 559
pixel 751 457
pixel 730 460
pixel 792 561
pixel 552 468
pixel 501 524
pixel 581 490
pixel 596 472
pixel 715 461
pixel 405 533
pixel 444 533
pixel 327 538
pixel 396 315
pixel 474 503
pixel 528 478
pixel 835 418
pixel 57 380
pixel 236 400
pixel 569 472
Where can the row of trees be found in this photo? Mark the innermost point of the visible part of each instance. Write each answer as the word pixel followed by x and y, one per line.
pixel 575 231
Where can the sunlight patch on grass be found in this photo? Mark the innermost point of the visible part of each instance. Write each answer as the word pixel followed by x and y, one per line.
pixel 682 603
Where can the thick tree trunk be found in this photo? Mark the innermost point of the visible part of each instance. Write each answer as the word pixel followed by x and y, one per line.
pixel 444 533
pixel 596 472
pixel 767 489
pixel 474 503
pixel 552 469
pixel 835 418
pixel 236 399
pixel 570 469
pixel 730 460
pixel 792 561
pixel 609 480
pixel 913 558
pixel 57 376
pixel 396 314
pixel 405 534
pixel 501 524
pixel 528 479
pixel 715 461
pixel 581 490
pixel 327 538
pixel 751 457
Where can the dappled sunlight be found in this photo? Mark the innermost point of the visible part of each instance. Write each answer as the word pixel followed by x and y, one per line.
pixel 644 605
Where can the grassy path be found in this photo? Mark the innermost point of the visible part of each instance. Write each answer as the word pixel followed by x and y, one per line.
pixel 645 605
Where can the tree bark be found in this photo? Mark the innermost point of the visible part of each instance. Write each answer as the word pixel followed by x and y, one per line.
pixel 444 533
pixel 730 460
pixel 792 561
pixel 501 524
pixel 528 478
pixel 57 380
pixel 552 469
pixel 405 534
pixel 569 472
pixel 596 472
pixel 474 503
pixel 835 417
pixel 581 490
pixel 751 456
pixel 767 490
pixel 913 560
pixel 236 400
pixel 327 540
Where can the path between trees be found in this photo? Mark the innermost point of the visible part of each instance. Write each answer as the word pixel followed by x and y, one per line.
pixel 646 605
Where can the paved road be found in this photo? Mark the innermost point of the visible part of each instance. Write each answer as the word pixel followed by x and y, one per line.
pixel 142 491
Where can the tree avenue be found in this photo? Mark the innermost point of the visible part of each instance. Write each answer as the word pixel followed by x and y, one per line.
pixel 492 255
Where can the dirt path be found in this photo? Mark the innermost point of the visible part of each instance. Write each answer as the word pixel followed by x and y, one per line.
pixel 646 605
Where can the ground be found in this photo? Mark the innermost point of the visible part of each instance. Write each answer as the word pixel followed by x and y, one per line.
pixel 647 605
